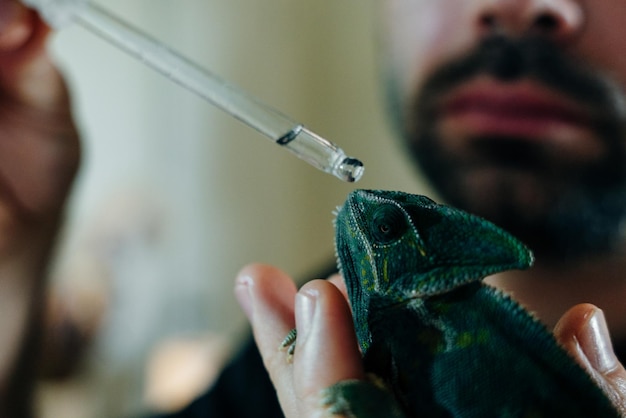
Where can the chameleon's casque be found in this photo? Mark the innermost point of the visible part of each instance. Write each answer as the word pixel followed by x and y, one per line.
pixel 440 342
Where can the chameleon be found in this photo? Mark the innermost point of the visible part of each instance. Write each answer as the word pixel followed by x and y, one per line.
pixel 436 340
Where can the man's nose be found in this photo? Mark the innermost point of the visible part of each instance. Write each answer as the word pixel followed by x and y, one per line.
pixel 559 20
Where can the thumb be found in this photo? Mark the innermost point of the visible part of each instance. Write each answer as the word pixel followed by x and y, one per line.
pixel 583 332
pixel 327 351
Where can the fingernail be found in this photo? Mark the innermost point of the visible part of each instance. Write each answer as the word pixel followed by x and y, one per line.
pixel 306 305
pixel 595 343
pixel 243 293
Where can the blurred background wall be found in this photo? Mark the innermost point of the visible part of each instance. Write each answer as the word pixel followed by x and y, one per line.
pixel 174 196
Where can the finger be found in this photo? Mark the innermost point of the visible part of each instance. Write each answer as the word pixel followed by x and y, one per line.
pixel 327 350
pixel 337 280
pixel 26 69
pixel 584 333
pixel 15 25
pixel 267 296
pixel 22 32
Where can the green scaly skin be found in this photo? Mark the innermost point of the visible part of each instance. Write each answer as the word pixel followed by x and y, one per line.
pixel 440 342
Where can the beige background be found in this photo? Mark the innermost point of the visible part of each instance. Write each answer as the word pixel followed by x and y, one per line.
pixel 175 196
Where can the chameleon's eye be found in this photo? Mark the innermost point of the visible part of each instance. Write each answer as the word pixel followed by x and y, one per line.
pixel 388 223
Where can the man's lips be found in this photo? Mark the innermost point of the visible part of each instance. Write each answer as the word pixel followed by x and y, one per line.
pixel 522 110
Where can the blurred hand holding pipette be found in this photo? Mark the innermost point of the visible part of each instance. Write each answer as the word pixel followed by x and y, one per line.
pixel 285 132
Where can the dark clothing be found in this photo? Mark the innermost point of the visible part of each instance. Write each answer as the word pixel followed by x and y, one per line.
pixel 243 390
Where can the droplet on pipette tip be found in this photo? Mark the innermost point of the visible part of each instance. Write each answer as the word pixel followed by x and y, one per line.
pixel 349 169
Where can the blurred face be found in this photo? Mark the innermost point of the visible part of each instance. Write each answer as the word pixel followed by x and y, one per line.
pixel 515 110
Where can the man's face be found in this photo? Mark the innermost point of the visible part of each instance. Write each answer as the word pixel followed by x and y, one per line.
pixel 515 110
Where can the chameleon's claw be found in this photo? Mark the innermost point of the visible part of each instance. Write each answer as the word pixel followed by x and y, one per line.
pixel 289 344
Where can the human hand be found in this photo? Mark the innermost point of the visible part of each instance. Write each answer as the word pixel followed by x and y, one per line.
pixel 583 332
pixel 327 350
pixel 39 153
pixel 39 148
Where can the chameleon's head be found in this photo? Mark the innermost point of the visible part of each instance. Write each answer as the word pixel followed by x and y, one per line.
pixel 399 246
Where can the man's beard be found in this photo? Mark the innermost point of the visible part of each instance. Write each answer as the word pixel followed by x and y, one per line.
pixel 563 209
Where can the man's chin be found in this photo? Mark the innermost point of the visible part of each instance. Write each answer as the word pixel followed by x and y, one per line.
pixel 558 222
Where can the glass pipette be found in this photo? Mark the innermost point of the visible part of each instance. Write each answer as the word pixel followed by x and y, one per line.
pixel 285 132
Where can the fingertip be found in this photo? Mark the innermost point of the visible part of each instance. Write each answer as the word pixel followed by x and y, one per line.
pixel 573 320
pixel 264 277
pixel 266 295
pixel 257 271
pixel 584 332
pixel 16 25
pixel 595 341
pixel 266 286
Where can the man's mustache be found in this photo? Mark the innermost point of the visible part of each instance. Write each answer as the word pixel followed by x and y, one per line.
pixel 533 58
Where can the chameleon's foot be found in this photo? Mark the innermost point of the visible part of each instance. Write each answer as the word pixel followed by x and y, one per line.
pixel 289 344
pixel 360 399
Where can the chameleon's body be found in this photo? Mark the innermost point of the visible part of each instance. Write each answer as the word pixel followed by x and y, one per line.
pixel 442 342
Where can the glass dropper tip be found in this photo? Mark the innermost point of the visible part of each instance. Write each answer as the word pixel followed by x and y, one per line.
pixel 321 153
pixel 349 170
